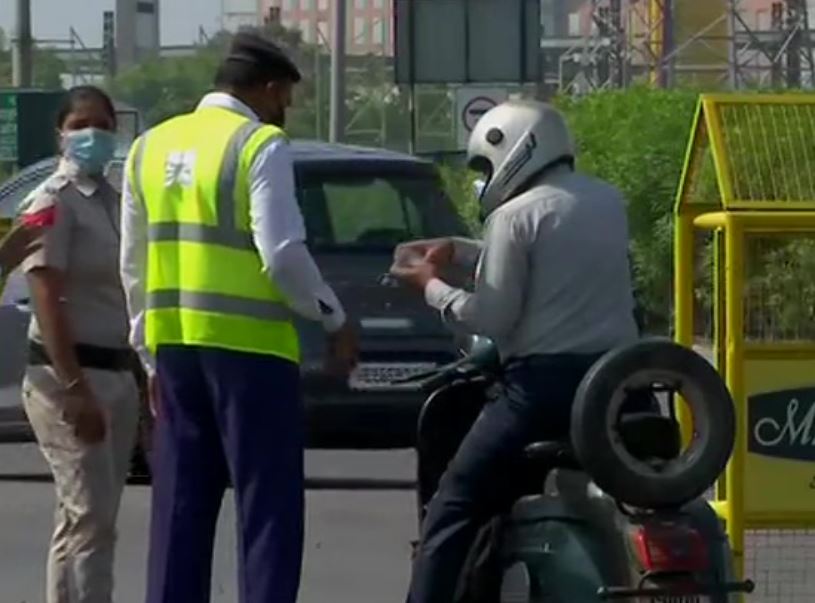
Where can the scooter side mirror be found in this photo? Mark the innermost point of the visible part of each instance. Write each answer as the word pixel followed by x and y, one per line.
pixel 481 345
pixel 484 356
pixel 474 345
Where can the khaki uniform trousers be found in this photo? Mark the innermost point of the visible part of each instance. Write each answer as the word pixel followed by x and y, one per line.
pixel 89 480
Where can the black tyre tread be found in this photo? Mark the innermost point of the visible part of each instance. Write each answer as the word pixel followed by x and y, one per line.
pixel 592 442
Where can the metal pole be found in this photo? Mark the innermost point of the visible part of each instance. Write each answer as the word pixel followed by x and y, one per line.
pixel 655 40
pixel 337 120
pixel 733 71
pixel 318 94
pixel 23 46
pixel 72 52
pixel 795 8
pixel 412 108
pixel 666 67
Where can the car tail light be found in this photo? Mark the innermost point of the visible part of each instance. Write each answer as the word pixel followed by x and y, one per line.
pixel 668 547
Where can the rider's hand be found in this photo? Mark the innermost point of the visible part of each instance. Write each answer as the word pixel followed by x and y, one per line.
pixel 416 275
pixel 343 351
pixel 20 242
pixel 437 251
pixel 86 415
pixel 441 254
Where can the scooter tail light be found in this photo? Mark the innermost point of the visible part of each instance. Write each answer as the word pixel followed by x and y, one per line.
pixel 665 548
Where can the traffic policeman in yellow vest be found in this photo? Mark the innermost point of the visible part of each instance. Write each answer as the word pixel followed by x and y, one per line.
pixel 214 263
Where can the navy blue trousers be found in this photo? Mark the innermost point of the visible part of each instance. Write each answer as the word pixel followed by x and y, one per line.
pixel 486 475
pixel 226 416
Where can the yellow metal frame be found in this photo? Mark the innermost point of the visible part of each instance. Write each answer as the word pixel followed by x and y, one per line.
pixel 733 219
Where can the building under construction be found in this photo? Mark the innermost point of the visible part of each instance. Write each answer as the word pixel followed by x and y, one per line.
pixel 735 44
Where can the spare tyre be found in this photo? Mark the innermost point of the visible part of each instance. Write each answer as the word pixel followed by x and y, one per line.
pixel 601 450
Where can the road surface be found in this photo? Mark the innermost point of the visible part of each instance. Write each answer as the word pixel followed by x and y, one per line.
pixel 357 543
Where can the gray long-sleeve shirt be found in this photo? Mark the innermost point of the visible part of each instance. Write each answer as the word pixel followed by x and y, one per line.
pixel 552 273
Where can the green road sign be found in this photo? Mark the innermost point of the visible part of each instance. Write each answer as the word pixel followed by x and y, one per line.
pixel 8 126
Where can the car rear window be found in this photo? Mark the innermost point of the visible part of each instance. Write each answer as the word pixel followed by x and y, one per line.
pixel 374 212
pixel 18 187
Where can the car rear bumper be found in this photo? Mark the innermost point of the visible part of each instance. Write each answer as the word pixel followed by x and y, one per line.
pixel 362 420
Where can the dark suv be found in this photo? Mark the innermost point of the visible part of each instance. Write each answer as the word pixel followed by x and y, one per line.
pixel 358 203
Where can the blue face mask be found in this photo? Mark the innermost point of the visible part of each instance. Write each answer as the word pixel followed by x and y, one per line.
pixel 90 148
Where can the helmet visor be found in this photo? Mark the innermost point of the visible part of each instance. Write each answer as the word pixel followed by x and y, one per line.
pixel 482 168
pixel 479 184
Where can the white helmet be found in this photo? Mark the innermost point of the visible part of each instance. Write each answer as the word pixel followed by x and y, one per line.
pixel 514 142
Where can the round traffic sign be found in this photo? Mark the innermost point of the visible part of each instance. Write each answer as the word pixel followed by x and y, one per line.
pixel 474 109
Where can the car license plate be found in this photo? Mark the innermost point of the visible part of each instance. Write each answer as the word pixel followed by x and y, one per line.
pixel 680 599
pixel 381 375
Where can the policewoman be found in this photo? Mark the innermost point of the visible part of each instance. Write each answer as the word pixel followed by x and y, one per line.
pixel 214 263
pixel 79 392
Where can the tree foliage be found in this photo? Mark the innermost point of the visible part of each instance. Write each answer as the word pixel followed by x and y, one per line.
pixel 162 87
pixel 47 67
pixel 636 139
pixel 377 110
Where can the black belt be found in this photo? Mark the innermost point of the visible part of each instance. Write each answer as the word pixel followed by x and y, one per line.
pixel 88 356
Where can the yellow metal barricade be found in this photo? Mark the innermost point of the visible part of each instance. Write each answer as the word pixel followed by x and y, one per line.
pixel 749 179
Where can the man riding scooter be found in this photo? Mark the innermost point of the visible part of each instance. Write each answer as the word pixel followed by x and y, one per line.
pixel 553 292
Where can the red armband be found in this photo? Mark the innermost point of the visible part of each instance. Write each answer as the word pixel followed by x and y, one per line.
pixel 44 217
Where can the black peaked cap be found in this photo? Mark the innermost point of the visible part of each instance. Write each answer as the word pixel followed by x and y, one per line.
pixel 254 48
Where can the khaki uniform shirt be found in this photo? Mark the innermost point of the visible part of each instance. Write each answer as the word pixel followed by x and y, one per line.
pixel 83 243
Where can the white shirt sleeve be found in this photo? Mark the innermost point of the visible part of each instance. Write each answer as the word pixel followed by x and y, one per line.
pixel 280 236
pixel 133 266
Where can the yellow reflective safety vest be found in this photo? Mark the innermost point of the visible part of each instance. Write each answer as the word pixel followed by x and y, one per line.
pixel 205 284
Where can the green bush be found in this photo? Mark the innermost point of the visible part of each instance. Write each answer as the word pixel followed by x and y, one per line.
pixel 458 183
pixel 636 139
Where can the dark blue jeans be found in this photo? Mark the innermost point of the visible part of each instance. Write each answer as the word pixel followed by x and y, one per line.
pixel 485 476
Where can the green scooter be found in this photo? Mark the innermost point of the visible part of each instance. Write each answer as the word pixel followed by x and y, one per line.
pixel 615 513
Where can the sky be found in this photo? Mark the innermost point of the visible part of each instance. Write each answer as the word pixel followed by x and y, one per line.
pixel 51 19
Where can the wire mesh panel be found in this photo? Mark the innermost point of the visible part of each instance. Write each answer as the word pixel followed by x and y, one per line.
pixel 769 150
pixel 782 564
pixel 702 187
pixel 780 289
